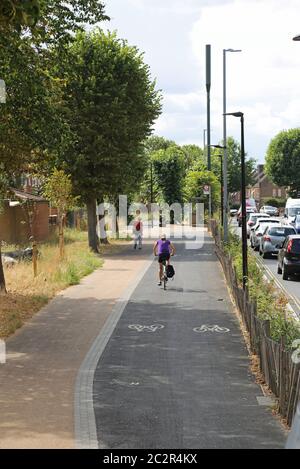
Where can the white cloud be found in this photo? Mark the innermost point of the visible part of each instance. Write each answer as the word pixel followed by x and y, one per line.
pixel 262 81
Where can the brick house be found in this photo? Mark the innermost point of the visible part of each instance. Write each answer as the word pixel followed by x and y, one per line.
pixel 19 221
pixel 263 188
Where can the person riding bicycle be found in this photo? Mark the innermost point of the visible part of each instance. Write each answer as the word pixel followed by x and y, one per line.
pixel 164 249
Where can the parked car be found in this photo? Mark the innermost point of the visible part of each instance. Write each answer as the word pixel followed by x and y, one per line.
pixel 289 257
pixel 269 210
pixel 253 218
pixel 272 239
pixel 259 228
pixel 233 212
pixel 257 233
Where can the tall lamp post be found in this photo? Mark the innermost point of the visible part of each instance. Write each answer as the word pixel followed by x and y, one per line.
pixel 223 177
pixel 225 206
pixel 243 196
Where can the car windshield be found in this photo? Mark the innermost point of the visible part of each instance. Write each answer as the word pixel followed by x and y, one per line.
pixel 281 231
pixel 294 211
pixel 268 207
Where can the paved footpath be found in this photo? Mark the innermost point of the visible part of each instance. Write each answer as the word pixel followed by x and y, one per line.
pixel 88 371
pixel 38 382
pixel 179 383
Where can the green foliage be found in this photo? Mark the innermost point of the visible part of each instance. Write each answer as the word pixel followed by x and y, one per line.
pixel 193 157
pixel 194 183
pixel 58 190
pixel 108 116
pixel 283 160
pixel 234 166
pixel 19 13
pixel 168 166
pixel 273 202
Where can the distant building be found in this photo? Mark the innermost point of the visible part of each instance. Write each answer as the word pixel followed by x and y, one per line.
pixel 263 188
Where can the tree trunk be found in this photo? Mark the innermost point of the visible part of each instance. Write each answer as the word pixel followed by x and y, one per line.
pixel 92 225
pixel 2 278
pixel 61 237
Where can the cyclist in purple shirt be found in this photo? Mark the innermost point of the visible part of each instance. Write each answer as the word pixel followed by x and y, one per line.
pixel 164 249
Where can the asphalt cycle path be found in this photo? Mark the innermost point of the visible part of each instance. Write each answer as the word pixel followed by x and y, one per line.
pixel 175 372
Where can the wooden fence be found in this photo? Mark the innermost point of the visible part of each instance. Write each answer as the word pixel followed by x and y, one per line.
pixel 280 373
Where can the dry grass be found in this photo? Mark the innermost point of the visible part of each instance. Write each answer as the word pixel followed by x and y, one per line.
pixel 26 294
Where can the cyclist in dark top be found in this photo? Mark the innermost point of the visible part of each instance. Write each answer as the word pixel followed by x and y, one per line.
pixel 164 249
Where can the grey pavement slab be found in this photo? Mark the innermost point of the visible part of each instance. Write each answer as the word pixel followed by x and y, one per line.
pixel 185 382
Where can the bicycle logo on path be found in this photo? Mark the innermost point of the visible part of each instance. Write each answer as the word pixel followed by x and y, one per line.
pixel 215 328
pixel 140 328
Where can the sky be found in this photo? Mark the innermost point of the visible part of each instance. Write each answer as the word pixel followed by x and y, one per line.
pixel 263 80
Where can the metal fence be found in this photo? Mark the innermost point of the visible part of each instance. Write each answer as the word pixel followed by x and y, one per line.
pixel 280 373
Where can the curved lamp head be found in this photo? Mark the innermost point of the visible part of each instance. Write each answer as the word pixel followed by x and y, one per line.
pixel 296 38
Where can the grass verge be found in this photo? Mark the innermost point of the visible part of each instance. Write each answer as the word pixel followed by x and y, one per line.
pixel 26 295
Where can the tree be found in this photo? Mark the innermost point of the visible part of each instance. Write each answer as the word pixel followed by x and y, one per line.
pixel 111 104
pixel 58 190
pixel 234 166
pixel 283 160
pixel 19 13
pixel 169 171
pixel 193 156
pixel 194 184
pixel 3 191
pixel 148 190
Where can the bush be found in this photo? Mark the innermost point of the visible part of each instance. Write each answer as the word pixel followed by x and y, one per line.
pixel 273 202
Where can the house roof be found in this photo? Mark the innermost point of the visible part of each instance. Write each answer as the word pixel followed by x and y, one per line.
pixel 27 196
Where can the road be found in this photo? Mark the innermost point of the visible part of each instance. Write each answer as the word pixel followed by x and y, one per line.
pixel 290 287
pixel 175 372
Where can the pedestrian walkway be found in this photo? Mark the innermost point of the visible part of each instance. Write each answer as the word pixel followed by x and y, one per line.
pixel 37 383
pixel 175 373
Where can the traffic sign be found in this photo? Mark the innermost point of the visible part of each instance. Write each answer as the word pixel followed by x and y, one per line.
pixel 206 189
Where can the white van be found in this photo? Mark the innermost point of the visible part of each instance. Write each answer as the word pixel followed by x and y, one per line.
pixel 292 209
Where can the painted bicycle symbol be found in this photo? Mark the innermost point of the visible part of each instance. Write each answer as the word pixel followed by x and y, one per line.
pixel 215 328
pixel 140 328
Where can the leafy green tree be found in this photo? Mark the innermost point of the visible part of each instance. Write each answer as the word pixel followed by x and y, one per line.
pixel 194 184
pixel 169 170
pixel 193 156
pixel 111 104
pixel 148 187
pixel 234 166
pixel 283 160
pixel 19 13
pixel 59 191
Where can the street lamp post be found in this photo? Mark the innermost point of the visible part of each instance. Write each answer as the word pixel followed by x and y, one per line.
pixel 243 196
pixel 223 177
pixel 225 184
pixel 204 143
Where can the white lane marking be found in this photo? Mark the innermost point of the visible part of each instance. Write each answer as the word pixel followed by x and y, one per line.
pixel 215 328
pixel 140 328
